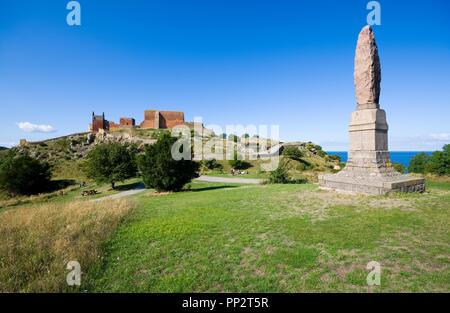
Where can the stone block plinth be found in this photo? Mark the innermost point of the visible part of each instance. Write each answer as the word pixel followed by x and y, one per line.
pixel 375 185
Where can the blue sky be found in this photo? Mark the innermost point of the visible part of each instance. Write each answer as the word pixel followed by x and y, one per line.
pixel 287 63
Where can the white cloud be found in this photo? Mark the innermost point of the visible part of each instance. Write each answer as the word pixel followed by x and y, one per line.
pixel 8 144
pixel 441 136
pixel 34 128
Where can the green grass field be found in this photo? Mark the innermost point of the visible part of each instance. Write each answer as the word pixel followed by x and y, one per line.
pixel 278 238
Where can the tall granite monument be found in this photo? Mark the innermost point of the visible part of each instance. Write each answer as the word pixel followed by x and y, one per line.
pixel 368 168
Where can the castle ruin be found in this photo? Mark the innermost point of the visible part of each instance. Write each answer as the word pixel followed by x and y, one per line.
pixel 153 119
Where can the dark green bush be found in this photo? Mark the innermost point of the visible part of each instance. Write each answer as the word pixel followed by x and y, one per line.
pixel 439 162
pixel 160 171
pixel 436 163
pixel 212 164
pixel 281 176
pixel 22 174
pixel 399 167
pixel 313 148
pixel 236 163
pixel 418 162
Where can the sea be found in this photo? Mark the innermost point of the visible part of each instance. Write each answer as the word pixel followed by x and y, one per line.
pixel 402 157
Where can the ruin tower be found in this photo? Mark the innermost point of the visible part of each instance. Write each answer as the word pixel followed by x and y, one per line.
pixel 368 168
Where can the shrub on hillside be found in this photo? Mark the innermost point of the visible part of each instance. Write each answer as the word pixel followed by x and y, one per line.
pixel 22 174
pixel 161 171
pixel 62 144
pixel 418 162
pixel 281 176
pixel 111 163
pixel 439 162
pixel 293 153
pixel 334 157
pixel 399 167
pixel 212 164
pixel 313 148
pixel 436 163
pixel 236 163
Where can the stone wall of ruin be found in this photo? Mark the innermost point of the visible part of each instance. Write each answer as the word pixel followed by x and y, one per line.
pixel 162 119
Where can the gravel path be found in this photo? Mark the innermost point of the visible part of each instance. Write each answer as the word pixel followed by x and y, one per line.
pixel 139 188
pixel 215 179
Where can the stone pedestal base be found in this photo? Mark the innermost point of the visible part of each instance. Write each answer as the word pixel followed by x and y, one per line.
pixel 375 185
pixel 369 169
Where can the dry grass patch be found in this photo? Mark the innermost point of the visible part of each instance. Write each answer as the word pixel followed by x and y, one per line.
pixel 7 201
pixel 37 242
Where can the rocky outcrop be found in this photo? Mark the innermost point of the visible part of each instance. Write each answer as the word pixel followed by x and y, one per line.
pixel 104 137
pixel 77 146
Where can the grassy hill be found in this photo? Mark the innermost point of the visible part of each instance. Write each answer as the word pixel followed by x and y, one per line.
pixel 66 155
pixel 312 162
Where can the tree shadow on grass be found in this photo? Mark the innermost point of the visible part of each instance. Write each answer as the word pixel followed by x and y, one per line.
pixel 244 165
pixel 213 188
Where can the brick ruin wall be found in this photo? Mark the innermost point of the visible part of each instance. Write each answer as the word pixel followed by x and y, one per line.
pixel 170 119
pixel 127 121
pixel 162 119
pixel 152 119
pixel 99 123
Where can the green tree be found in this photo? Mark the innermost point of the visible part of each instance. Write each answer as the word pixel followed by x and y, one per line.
pixel 418 163
pixel 22 174
pixel 161 171
pixel 111 163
